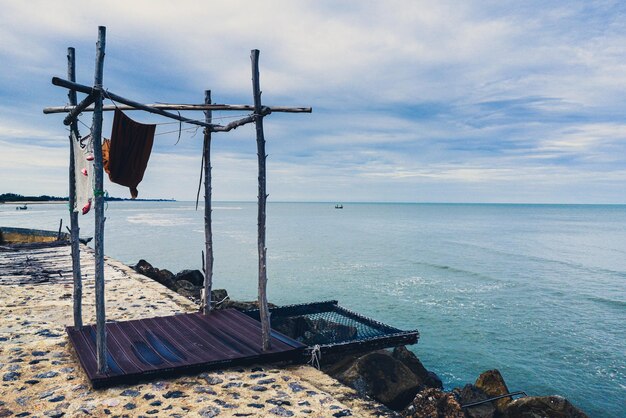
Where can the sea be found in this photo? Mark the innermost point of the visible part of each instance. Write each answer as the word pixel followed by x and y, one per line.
pixel 535 291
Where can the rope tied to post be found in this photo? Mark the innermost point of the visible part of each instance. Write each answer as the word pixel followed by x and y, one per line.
pixel 316 356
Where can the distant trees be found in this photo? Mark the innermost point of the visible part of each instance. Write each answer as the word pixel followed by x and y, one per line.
pixel 14 197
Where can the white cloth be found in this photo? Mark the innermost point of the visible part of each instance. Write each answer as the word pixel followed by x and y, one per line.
pixel 84 183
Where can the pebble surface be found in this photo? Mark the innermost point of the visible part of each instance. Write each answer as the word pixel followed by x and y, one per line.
pixel 41 376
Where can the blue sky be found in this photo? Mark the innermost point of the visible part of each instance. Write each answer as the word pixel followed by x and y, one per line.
pixel 473 101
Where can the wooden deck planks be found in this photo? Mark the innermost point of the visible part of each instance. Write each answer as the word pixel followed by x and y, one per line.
pixel 178 344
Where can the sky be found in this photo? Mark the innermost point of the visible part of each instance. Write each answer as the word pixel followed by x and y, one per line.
pixel 413 101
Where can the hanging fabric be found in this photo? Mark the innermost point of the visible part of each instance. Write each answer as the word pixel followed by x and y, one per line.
pixel 128 151
pixel 83 173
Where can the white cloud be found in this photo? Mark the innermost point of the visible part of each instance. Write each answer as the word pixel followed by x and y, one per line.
pixel 404 92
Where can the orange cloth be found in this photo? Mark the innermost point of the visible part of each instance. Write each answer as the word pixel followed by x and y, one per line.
pixel 128 151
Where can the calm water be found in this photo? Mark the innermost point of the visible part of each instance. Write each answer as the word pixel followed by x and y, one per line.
pixel 537 291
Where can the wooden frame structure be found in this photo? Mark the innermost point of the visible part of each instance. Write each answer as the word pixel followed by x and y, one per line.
pixel 94 103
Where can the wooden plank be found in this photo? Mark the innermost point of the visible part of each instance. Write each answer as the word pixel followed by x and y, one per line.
pixel 205 340
pixel 178 335
pixel 118 345
pixel 214 329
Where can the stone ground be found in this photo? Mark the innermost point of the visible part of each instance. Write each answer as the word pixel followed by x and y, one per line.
pixel 41 376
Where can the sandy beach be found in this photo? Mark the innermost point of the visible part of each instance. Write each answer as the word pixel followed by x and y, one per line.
pixel 41 375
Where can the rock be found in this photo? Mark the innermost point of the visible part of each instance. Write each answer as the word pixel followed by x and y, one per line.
pixel 279 402
pixel 131 393
pixel 433 403
pixel 209 411
pixel 165 277
pixel 295 387
pixel 174 394
pixel 492 383
pixel 190 292
pixel 195 277
pixel 293 326
pixel 281 412
pixel 57 398
pixel 410 360
pixel 212 380
pixel 10 376
pixel 218 295
pixel 470 394
pixel 204 389
pixel 112 402
pixel 339 332
pixel 242 305
pixel 47 375
pixel 184 285
pixel 542 406
pixel 47 333
pixel 383 378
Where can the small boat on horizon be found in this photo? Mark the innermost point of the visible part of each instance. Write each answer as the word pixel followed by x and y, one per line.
pixel 338 206
pixel 25 207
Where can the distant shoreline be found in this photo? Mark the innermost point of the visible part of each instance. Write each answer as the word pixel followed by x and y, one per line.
pixel 14 198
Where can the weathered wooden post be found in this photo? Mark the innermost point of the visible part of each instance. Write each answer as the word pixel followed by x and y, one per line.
pixel 208 233
pixel 74 229
pixel 260 143
pixel 96 133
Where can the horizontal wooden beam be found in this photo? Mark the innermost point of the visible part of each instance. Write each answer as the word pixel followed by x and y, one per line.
pixel 89 90
pixel 132 105
pixel 186 107
pixel 71 117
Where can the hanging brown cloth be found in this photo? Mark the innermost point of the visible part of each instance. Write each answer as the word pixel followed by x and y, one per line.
pixel 128 151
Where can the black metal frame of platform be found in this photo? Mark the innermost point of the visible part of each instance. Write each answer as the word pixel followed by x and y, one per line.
pixel 334 325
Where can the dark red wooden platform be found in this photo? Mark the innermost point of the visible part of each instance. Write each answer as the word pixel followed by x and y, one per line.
pixel 179 344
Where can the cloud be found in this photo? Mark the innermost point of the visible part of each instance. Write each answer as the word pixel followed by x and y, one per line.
pixel 406 94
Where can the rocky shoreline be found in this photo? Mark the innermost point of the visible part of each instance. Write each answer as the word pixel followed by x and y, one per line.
pixel 395 378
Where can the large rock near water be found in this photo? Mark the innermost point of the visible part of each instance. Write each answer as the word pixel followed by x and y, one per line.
pixel 470 394
pixel 194 277
pixel 164 276
pixel 383 378
pixel 492 383
pixel 188 290
pixel 542 406
pixel 433 403
pixel 409 359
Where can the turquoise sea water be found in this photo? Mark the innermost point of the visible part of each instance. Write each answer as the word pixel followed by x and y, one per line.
pixel 536 291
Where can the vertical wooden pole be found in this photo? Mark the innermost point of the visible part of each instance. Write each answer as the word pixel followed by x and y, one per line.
pixel 96 133
pixel 74 229
pixel 260 143
pixel 208 233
